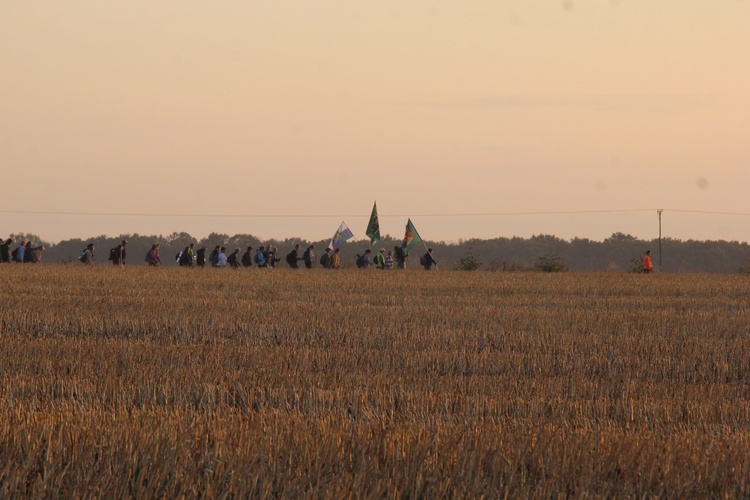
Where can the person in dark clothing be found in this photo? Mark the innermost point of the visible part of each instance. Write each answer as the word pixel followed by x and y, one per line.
pixel 293 257
pixel 233 260
pixel 28 255
pixel 401 255
pixel 214 256
pixel 309 256
pixel 186 256
pixel 5 250
pixel 200 256
pixel 118 259
pixel 247 257
pixel 325 259
pixel 427 260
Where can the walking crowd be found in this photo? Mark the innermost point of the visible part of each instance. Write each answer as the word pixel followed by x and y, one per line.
pixel 262 257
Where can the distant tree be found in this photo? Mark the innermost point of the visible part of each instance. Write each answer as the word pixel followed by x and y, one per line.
pixel 551 264
pixel 469 262
pixel 636 265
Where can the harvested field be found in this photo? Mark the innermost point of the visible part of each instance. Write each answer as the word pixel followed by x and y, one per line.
pixel 169 381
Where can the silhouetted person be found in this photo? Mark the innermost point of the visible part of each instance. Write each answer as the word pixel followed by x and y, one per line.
pixel 247 257
pixel 309 256
pixel 293 257
pixel 5 250
pixel 427 260
pixel 325 259
pixel 234 259
pixel 200 256
pixel 214 257
pixel 118 254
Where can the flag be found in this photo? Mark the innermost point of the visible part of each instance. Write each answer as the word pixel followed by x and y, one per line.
pixel 411 237
pixel 343 233
pixel 373 228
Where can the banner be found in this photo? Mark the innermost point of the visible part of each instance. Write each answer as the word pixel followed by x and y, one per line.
pixel 373 228
pixel 411 237
pixel 343 233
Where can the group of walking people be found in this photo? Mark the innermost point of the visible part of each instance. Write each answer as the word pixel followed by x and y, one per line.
pixel 263 256
pixel 24 253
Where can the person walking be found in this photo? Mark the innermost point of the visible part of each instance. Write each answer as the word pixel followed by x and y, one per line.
pixel 380 259
pixel 366 259
pixel 186 256
pixel 648 267
pixel 200 256
pixel 260 256
pixel 325 259
pixel 400 253
pixel 271 258
pixel 19 253
pixel 247 257
pixel 87 257
pixel 28 256
pixel 221 258
pixel 427 260
pixel 234 259
pixel 389 260
pixel 153 257
pixel 36 254
pixel 5 250
pixel 293 257
pixel 336 259
pixel 118 254
pixel 309 256
pixel 214 257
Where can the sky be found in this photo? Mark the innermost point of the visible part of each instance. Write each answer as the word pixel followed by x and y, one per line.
pixel 476 119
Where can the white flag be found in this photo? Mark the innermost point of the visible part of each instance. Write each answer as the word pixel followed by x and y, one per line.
pixel 343 233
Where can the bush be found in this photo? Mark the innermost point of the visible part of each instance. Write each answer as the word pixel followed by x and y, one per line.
pixel 469 262
pixel 550 263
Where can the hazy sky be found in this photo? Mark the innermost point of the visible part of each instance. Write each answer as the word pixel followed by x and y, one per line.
pixel 318 108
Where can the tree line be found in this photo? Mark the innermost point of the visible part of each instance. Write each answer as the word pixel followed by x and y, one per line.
pixel 620 252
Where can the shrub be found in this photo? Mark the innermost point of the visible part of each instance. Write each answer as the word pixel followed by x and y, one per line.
pixel 469 262
pixel 550 263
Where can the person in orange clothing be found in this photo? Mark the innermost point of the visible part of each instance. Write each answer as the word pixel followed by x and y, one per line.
pixel 647 265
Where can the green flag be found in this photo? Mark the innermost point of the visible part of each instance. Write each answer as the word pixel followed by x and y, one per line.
pixel 373 228
pixel 411 237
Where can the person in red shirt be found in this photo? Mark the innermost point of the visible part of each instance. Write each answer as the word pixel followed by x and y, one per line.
pixel 647 265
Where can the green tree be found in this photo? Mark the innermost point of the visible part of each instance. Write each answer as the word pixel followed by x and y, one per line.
pixel 550 263
pixel 469 262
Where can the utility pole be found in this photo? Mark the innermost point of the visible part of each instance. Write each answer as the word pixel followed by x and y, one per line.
pixel 659 211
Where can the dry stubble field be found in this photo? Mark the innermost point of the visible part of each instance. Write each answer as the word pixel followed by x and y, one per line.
pixel 169 382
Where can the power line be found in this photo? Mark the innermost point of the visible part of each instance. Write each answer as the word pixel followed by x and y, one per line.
pixel 335 216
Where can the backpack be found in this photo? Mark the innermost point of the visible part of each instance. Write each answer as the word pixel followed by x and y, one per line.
pixel 257 257
pixel 113 254
pixel 215 258
pixel 148 256
pixel 423 260
pixel 176 257
pixel 82 257
pixel 360 262
pixel 291 258
pixel 14 255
